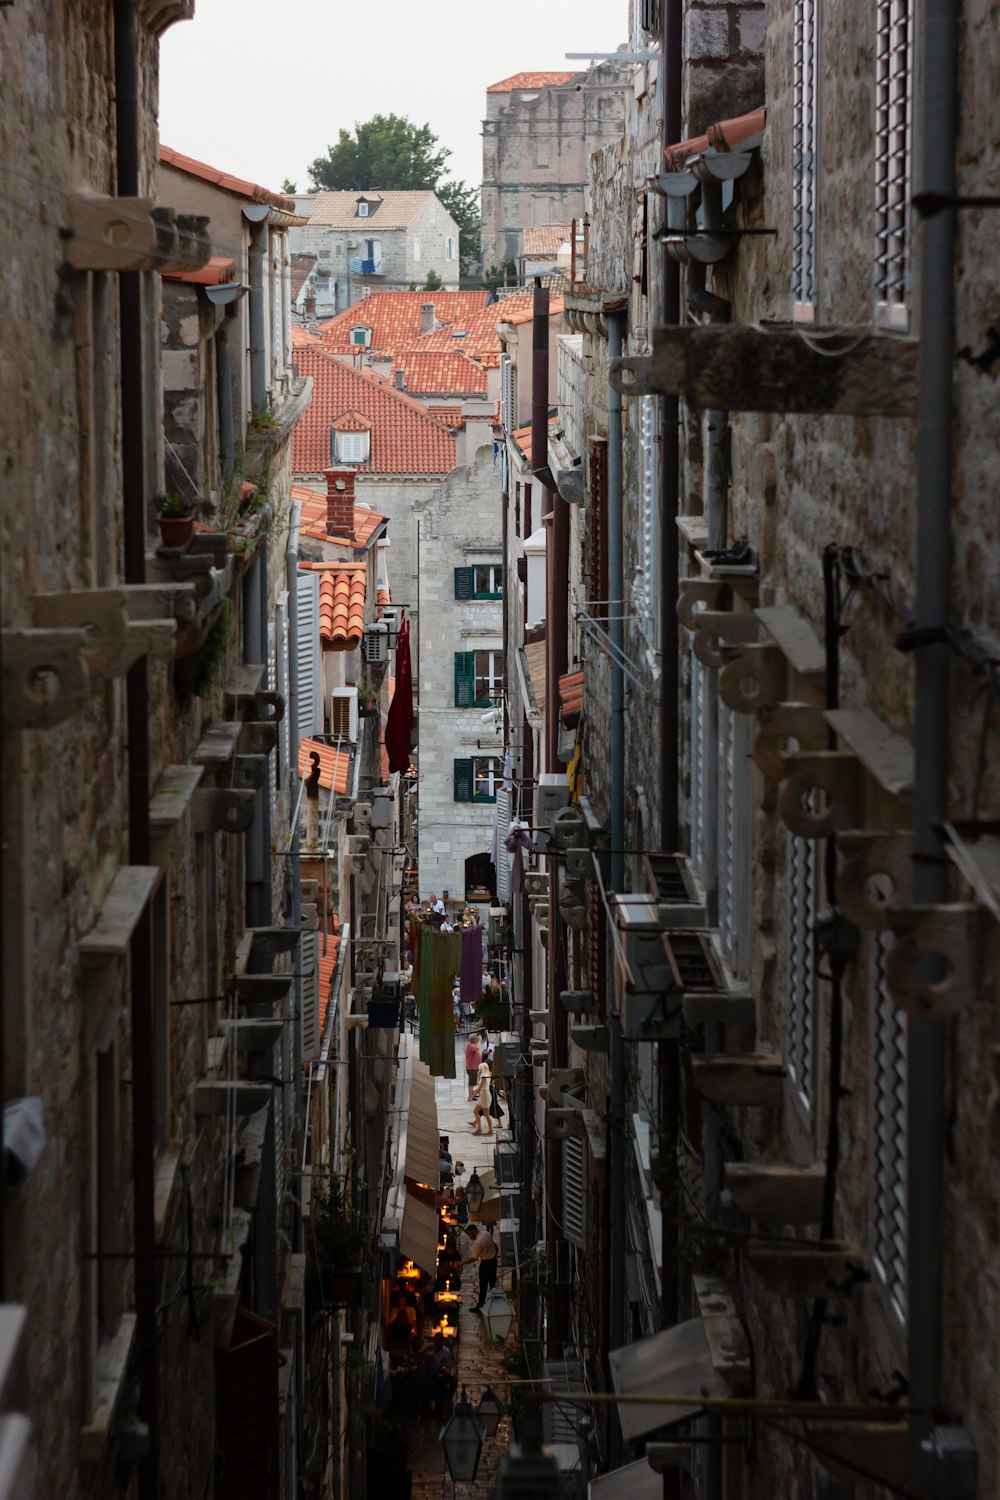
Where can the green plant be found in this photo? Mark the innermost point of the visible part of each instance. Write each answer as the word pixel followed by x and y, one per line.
pixel 262 421
pixel 338 1230
pixel 367 690
pixel 207 660
pixel 173 504
pixel 433 282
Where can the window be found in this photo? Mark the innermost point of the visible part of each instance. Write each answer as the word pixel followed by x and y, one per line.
pixel 805 113
pixel 647 588
pixel 362 209
pixel 888 1131
pixel 361 335
pixel 478 778
pixel 481 581
pixel 449 251
pixel 802 888
pixel 416 248
pixel 478 678
pixel 893 164
pixel 734 838
pixel 350 447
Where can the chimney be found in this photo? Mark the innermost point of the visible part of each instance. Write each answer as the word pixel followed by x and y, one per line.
pixel 309 303
pixel 399 380
pixel 427 318
pixel 340 502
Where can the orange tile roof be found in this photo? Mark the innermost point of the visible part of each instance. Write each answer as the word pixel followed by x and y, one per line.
pixel 481 341
pixel 570 696
pixel 225 180
pixel 301 265
pixel 217 271
pixel 528 81
pixel 522 437
pixel 341 603
pixel 544 239
pixel 440 372
pixel 313 524
pixel 327 969
pixel 394 319
pixel 334 765
pixel 303 339
pixel 405 439
pixel 525 314
pixel 450 415
pixel 390 208
pixel 726 135
pixel 383 597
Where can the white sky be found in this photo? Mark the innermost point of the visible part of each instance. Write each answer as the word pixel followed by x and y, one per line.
pixel 260 88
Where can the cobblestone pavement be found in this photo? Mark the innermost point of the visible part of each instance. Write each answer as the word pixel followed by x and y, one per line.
pixel 479 1364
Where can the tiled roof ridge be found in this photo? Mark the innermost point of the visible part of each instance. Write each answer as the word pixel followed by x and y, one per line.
pixel 229 183
pixel 724 135
pixel 529 80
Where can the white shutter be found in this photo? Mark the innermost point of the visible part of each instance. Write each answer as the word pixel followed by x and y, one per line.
pixel 272 759
pixel 649 447
pixel 309 719
pixel 502 829
pixel 505 393
pixel 893 159
pixel 281 679
pixel 698 768
pixel 310 996
pixel 734 838
pixel 574 1180
pixel 888 1131
pixel 805 123
pixel 802 901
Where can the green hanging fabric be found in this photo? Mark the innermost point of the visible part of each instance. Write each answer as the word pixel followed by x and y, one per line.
pixel 422 965
pixel 440 965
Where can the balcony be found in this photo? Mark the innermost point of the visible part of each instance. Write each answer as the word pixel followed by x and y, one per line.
pixel 361 267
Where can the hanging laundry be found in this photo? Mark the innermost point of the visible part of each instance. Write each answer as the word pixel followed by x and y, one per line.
pixel 399 721
pixel 470 974
pixel 518 843
pixel 440 956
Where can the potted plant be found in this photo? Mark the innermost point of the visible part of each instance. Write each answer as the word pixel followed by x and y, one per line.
pixel 338 1242
pixel 175 516
pixel 367 697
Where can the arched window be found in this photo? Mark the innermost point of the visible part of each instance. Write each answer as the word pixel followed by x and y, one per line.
pixel 480 878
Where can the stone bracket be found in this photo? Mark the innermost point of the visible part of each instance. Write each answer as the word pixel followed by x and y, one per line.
pixel 755 1079
pixel 802 722
pixel 105 233
pixel 45 676
pixel 274 940
pixel 114 641
pixel 777 1194
pixel 719 636
pixel 961 941
pixel 560 1080
pixel 696 594
pixel 591 1038
pixel 217 1097
pixel 741 368
pixel 577 1002
pixel 159 15
pixel 246 700
pixel 562 1124
pixel 262 989
pixel 257 738
pixel 762 675
pixel 250 772
pixel 868 856
pixel 814 1268
pixel 835 774
pixel 161 601
pixel 222 809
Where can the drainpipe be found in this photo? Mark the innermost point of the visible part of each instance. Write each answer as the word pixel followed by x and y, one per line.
pixel 299 1124
pixel 134 500
pixel 223 300
pixel 257 215
pixel 926 1039
pixel 616 630
pixel 258 836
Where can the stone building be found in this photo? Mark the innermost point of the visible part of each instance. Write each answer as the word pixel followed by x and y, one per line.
pixel 538 135
pixel 375 241
pixel 780 1045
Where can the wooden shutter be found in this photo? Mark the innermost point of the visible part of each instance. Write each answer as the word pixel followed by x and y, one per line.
pixel 465 583
pixel 574 1185
pixel 598 527
pixel 465 679
pixel 246 1411
pixel 310 708
pixel 463 780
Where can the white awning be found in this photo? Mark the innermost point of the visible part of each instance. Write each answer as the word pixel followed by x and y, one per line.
pixel 633 1482
pixel 676 1362
pixel 418 1237
pixel 419 1128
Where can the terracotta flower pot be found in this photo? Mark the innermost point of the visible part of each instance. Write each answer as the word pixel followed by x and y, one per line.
pixel 176 531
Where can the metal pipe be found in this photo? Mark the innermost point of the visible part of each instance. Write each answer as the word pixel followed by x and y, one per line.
pixel 926 1124
pixel 224 384
pixel 134 499
pixel 258 316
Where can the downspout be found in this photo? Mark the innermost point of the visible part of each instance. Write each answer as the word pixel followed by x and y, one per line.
pixel 926 1039
pixel 258 837
pixel 257 215
pixel 616 631
pixel 300 1124
pixel 224 379
pixel 134 500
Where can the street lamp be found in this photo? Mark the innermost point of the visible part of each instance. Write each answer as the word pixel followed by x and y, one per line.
pixel 462 1438
pixel 474 1193
pixel 489 1411
pixel 498 1315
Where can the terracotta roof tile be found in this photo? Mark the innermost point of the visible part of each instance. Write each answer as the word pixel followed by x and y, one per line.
pixel 727 135
pixel 383 597
pixel 341 604
pixel 545 239
pixel 522 437
pixel 366 521
pixel 440 372
pixel 405 439
pixel 303 339
pixel 570 697
pixel 329 950
pixel 334 765
pixel 392 209
pixel 225 180
pixel 351 421
pixel 521 314
pixel 301 265
pixel 450 415
pixel 529 81
pixel 217 271
pixel 394 319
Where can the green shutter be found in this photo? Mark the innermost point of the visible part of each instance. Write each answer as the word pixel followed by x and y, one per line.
pixel 463 780
pixel 464 580
pixel 465 679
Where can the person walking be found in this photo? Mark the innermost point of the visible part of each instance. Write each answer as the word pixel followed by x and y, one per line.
pixel 481 1108
pixel 484 1251
pixel 473 1057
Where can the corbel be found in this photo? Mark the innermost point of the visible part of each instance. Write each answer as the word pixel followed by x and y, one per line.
pixel 872 861
pixel 45 676
pixel 790 666
pixel 958 942
pixel 721 635
pixel 274 940
pixel 812 1268
pixel 577 1002
pixel 222 809
pixel 777 1194
pixel 216 1096
pixel 870 1452
pixel 247 701
pixel 833 781
pixel 697 594
pixel 265 990
pixel 754 1079
pixel 113 641
pixel 256 737
pixel 107 233
pixel 105 947
pixel 249 772
pixel 161 601
pixel 564 1124
pixel 158 15
pixel 802 722
pixel 591 1038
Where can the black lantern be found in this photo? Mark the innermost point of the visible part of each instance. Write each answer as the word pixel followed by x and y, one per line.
pixel 498 1315
pixel 474 1193
pixel 462 1438
pixel 527 1470
pixel 489 1411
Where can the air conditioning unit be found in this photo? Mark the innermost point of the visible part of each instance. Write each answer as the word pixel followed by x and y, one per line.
pixel 497 932
pixel 344 714
pixel 551 794
pixel 381 811
pixel 391 619
pixel 649 1004
pixel 375 643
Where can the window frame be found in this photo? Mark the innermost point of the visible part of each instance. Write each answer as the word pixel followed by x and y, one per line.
pixel 344 442
pixel 363 209
pixel 469 770
pixel 366 340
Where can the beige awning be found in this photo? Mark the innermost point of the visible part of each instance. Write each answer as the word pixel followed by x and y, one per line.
pixel 421 1149
pixel 418 1237
pixel 632 1482
pixel 676 1362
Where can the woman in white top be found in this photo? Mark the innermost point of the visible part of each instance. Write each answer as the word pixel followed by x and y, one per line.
pixel 481 1108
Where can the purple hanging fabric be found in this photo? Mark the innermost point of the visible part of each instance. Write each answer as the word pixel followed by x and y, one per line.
pixel 517 843
pixel 470 973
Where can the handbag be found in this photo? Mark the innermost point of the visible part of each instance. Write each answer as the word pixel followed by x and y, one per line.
pixel 496 1110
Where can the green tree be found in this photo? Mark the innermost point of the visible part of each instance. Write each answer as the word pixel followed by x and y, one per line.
pixel 433 281
pixel 390 152
pixel 288 186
